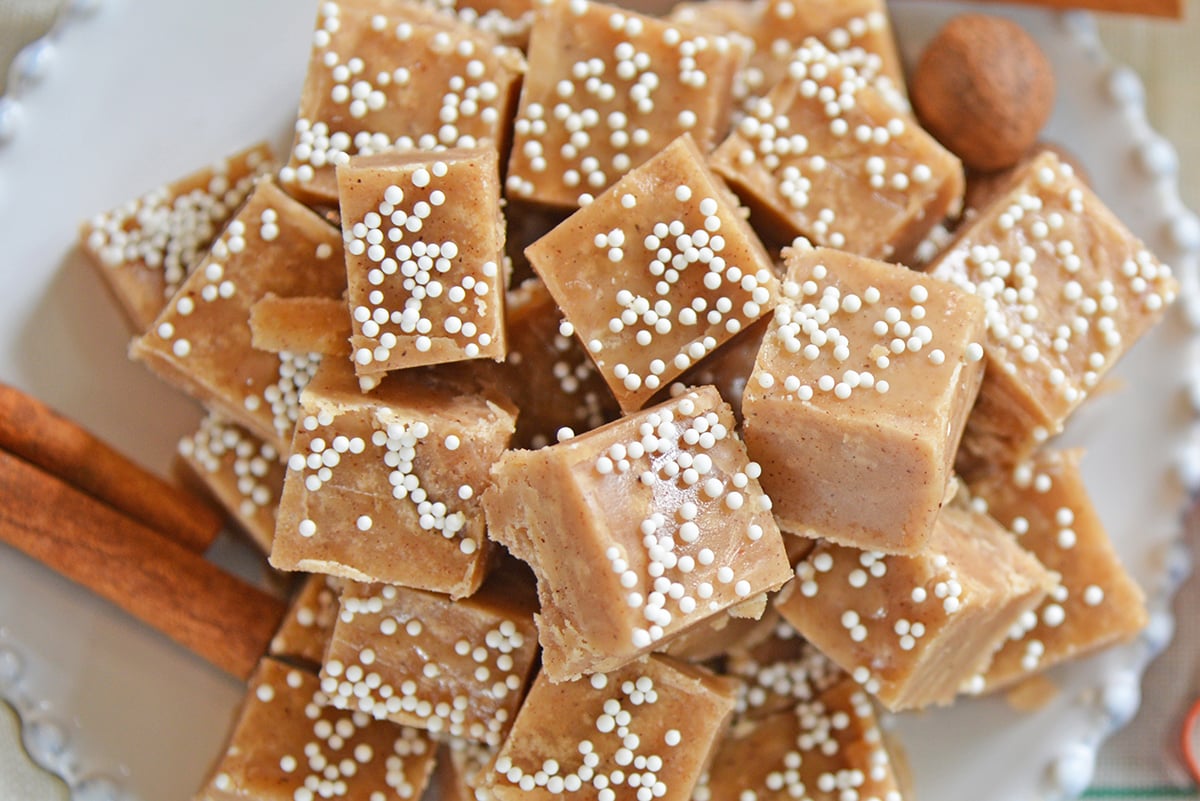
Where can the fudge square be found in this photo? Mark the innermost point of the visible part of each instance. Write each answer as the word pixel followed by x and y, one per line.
pixel 859 397
pixel 827 157
pixel 385 486
pixel 606 89
pixel 637 531
pixel 657 272
pixel 144 249
pixel 643 731
pixel 244 473
pixel 287 744
pixel 424 239
pixel 912 629
pixel 457 668
pixel 829 748
pixel 201 342
pixel 1068 290
pixel 303 635
pixel 395 75
pixel 1095 603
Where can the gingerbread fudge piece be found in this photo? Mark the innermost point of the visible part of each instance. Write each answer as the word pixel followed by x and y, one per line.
pixel 637 531
pixel 288 744
pixel 1094 604
pixel 462 766
pixel 657 272
pixel 858 31
pixel 779 671
pixel 825 156
pixel 395 75
pixel 244 473
pixel 201 342
pixel 456 668
pixel 385 486
pixel 829 748
pixel 607 88
pixel 912 629
pixel 548 373
pixel 145 249
pixel 424 241
pixel 647 729
pixel 859 397
pixel 1068 290
pixel 304 634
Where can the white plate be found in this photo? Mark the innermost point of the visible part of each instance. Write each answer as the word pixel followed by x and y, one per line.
pixel 129 95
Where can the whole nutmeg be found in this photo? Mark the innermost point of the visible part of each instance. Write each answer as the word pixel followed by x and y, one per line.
pixel 984 89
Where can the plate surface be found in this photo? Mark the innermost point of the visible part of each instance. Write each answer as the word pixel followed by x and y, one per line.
pixel 131 95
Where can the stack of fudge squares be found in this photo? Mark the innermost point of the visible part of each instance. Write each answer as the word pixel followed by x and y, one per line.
pixel 658 508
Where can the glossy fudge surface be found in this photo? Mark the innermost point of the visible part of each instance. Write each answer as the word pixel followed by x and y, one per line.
pixel 456 668
pixel 607 88
pixel 385 486
pixel 1095 602
pixel 395 75
pixel 651 724
pixel 912 629
pixel 637 531
pixel 424 241
pixel 145 248
pixel 287 744
pixel 859 397
pixel 1068 290
pixel 201 342
pixel 829 158
pixel 657 273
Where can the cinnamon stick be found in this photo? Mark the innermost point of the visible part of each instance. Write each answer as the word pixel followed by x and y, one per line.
pixel 212 613
pixel 38 434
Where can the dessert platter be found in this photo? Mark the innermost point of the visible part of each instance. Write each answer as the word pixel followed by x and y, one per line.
pixel 119 99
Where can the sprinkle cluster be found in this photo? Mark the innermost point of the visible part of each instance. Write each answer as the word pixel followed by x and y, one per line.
pixel 692 492
pixel 404 677
pixel 219 445
pixel 419 284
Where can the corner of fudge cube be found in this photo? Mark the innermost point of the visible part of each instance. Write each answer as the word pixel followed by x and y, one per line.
pixel 396 75
pixel 303 635
pixel 671 716
pixel 912 629
pixel 1068 290
pixel 287 740
pixel 424 236
pixel 606 89
pixel 1094 604
pixel 829 158
pixel 656 273
pixel 636 531
pixel 386 486
pixel 859 396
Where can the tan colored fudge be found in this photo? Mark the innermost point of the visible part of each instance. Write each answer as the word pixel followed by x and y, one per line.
pixel 462 766
pixel 859 31
pixel 201 341
pixel 1094 604
pixel 301 325
pixel 636 531
pixel 287 745
pixel 244 473
pixel 859 398
pixel 830 748
pixel 456 668
pixel 548 374
pixel 385 487
pixel 1068 290
pixel 395 75
pixel 912 629
pixel 145 249
pixel 424 241
pixel 779 671
pixel 828 158
pixel 649 726
pixel 606 89
pixel 657 272
pixel 303 635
